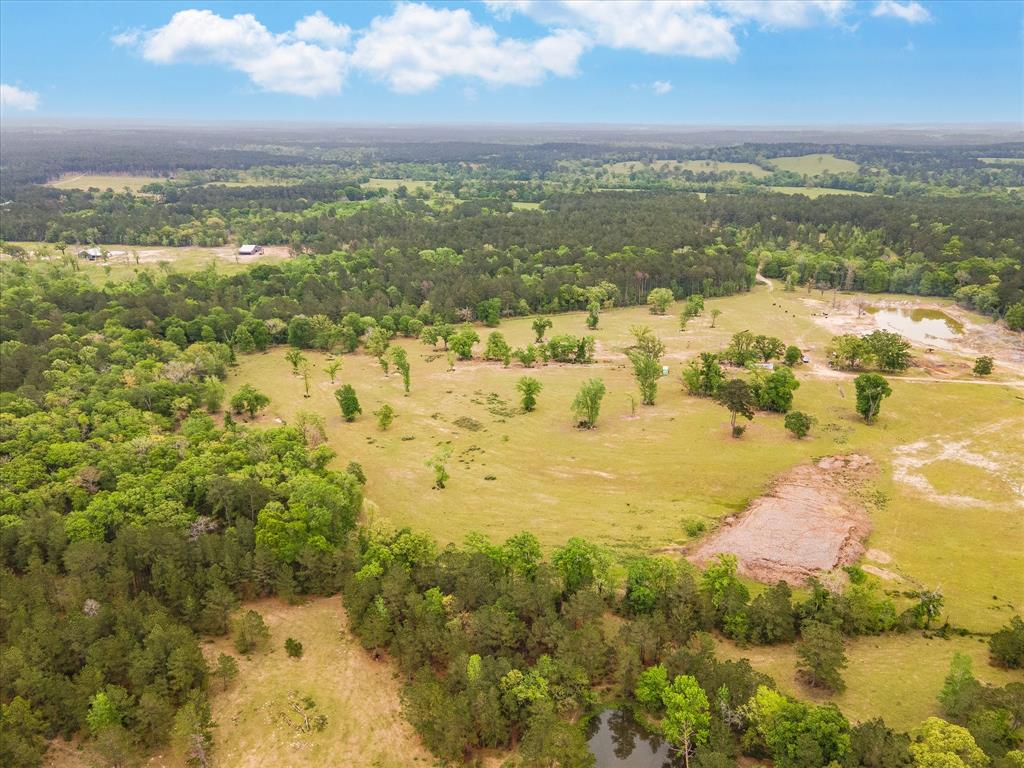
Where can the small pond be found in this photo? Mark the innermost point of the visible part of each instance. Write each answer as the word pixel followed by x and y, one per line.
pixel 924 326
pixel 617 741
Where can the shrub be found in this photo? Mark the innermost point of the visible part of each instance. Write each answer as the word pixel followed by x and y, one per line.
pixel 293 648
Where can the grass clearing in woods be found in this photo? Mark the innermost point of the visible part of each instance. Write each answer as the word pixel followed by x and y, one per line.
pixel 637 481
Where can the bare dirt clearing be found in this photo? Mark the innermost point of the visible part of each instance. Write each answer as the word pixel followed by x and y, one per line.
pixel 807 525
pixel 975 335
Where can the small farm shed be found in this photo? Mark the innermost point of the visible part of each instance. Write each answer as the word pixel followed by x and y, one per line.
pixel 250 250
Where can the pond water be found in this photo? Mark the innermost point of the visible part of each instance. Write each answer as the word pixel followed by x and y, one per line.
pixel 617 741
pixel 924 326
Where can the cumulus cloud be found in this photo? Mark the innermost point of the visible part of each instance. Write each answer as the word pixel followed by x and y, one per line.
pixel 694 28
pixel 912 12
pixel 661 87
pixel 672 27
pixel 282 63
pixel 318 28
pixel 417 46
pixel 13 97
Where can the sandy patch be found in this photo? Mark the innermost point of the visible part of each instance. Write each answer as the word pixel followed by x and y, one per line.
pixel 807 525
pixel 979 336
pixel 908 461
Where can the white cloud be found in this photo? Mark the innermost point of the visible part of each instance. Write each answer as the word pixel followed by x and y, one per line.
pixel 912 12
pixel 275 62
pixel 783 14
pixel 669 27
pixel 417 46
pixel 13 97
pixel 317 28
pixel 661 87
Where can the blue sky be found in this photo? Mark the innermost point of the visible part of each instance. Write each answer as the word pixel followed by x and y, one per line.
pixel 715 62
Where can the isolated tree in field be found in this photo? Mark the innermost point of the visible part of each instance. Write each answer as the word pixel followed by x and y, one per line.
pixel 891 352
pixel 540 327
pixel 820 656
pixel 348 402
pixel 1014 317
pixel 377 343
pixel 250 400
pixel 848 351
pixel 793 356
pixel 799 423
pixel 439 463
pixel 293 648
pixel 296 358
pixel 715 314
pixel 694 304
pixel 332 369
pixel 593 314
pixel 528 388
pixel 462 343
pixel 774 391
pixel 659 299
pixel 645 355
pixel 526 355
pixel 983 366
pixel 684 319
pixel 401 360
pixel 738 398
pixel 385 415
pixel 498 349
pixel 768 347
pixel 252 632
pixel 306 379
pixel 227 669
pixel 871 388
pixel 741 350
pixel 587 404
pixel 704 377
pixel 687 719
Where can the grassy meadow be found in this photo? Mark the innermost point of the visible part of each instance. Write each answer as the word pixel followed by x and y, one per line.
pixel 116 182
pixel 697 166
pixel 634 482
pixel 897 676
pixel 815 192
pixel 815 164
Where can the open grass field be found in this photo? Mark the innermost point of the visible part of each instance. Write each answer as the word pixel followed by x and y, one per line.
pixel 815 192
pixel 116 182
pixel 899 676
pixel 255 725
pixel 816 164
pixel 176 259
pixel 634 482
pixel 412 185
pixel 359 696
pixel 697 166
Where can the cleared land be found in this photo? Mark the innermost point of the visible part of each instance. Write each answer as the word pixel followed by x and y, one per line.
pixel 815 192
pixel 809 524
pixel 188 258
pixel 697 166
pixel 897 676
pixel 255 723
pixel 411 185
pixel 635 481
pixel 117 182
pixel 815 164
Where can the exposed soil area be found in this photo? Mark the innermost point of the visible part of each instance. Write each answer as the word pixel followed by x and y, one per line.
pixel 809 524
pixel 979 336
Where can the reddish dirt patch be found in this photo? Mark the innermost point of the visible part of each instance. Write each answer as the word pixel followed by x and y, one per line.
pixel 809 524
